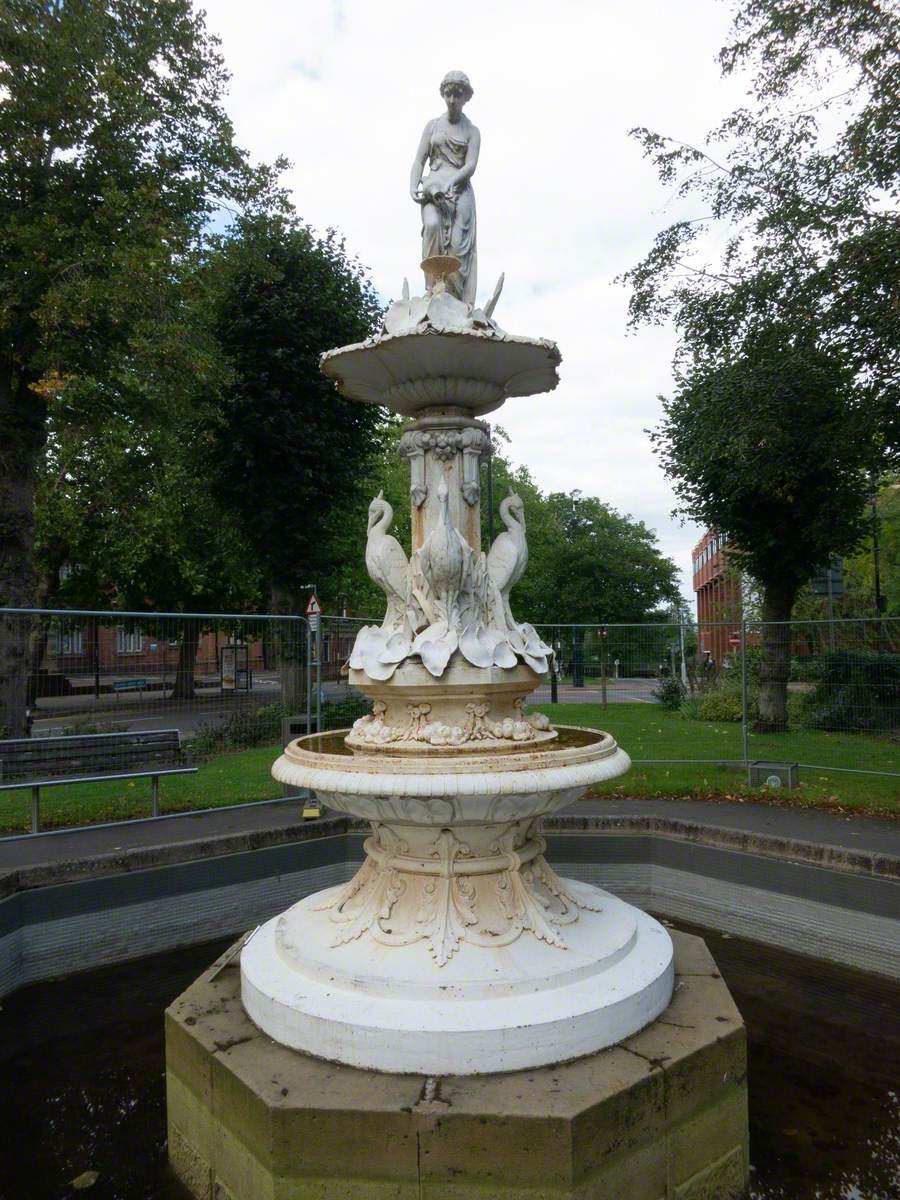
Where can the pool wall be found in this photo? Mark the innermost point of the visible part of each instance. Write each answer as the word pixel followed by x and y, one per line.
pixel 828 904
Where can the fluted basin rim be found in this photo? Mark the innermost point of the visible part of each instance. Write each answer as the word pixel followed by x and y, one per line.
pixel 369 775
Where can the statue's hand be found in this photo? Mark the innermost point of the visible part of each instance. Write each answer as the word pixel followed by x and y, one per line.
pixel 417 196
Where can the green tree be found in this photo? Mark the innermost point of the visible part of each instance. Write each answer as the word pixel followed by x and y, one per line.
pixel 114 150
pixel 289 457
pixel 586 562
pixel 804 299
pixel 126 511
pixel 859 569
pixel 770 449
pixel 804 183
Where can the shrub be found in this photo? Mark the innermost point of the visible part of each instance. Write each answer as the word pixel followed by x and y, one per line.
pixel 342 713
pixel 722 704
pixel 243 728
pixel 855 691
pixel 690 708
pixel 82 726
pixel 670 692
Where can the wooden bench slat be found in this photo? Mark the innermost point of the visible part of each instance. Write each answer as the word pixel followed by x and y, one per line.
pixel 99 754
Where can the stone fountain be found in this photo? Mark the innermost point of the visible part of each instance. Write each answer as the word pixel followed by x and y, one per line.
pixel 455 950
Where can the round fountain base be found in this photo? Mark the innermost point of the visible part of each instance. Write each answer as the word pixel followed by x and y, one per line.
pixel 483 1009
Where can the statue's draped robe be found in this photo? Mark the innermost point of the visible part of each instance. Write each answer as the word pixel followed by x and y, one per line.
pixel 454 233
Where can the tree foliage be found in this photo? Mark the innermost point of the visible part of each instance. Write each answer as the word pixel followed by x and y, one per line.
pixel 787 394
pixel 114 150
pixel 859 569
pixel 770 449
pixel 286 452
pixel 804 183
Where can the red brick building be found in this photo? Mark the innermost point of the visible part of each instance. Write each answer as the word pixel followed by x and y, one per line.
pixel 718 595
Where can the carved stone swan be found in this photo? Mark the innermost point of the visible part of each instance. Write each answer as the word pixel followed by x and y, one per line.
pixel 386 561
pixel 443 560
pixel 508 557
pixel 443 557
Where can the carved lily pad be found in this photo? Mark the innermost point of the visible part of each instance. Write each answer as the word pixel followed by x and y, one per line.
pixel 404 316
pixel 434 646
pixel 447 314
pixel 476 646
pixel 397 648
pixel 503 656
pixel 361 647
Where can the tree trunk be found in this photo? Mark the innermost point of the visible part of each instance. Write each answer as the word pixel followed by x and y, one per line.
pixel 22 436
pixel 183 688
pixel 40 633
pixel 289 644
pixel 777 605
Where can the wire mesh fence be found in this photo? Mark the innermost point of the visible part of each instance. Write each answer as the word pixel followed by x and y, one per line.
pixel 114 715
pixel 118 715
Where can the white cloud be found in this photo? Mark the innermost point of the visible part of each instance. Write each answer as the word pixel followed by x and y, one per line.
pixel 565 201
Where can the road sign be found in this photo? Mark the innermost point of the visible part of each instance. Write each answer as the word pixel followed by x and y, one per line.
pixel 829 581
pixel 734 640
pixel 313 610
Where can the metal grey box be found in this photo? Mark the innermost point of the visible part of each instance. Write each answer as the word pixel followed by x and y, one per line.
pixel 774 774
pixel 293 727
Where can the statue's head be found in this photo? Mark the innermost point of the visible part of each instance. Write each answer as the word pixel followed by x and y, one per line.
pixel 456 90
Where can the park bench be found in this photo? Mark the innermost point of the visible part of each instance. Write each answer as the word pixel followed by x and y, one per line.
pixel 41 762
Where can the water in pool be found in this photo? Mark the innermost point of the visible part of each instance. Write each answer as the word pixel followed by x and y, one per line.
pixel 82 1078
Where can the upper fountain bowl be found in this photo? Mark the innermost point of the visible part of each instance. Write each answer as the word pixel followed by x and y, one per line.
pixel 436 351
pixel 481 787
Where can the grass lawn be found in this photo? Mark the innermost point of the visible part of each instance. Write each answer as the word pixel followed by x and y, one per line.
pixel 645 730
pixel 233 778
pixel 648 731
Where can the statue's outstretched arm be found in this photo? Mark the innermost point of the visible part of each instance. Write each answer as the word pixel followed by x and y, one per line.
pixel 415 175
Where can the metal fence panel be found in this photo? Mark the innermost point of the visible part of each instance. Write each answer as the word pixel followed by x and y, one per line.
pixel 188 711
pixel 842 709
pixel 109 683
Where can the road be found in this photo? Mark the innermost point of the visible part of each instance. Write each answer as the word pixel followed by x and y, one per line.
pixel 150 709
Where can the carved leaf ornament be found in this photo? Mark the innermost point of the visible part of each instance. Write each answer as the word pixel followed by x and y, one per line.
pixel 450 895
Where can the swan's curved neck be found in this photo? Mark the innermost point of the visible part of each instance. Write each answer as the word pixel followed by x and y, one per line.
pixel 508 516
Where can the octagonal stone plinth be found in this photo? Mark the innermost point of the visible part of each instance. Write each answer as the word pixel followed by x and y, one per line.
pixel 662 1116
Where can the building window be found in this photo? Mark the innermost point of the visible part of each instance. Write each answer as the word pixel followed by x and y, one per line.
pixel 70 641
pixel 129 641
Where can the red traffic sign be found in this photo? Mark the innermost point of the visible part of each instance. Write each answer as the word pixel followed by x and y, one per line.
pixel 734 640
pixel 313 608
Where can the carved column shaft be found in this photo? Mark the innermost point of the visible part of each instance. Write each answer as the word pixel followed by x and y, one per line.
pixel 445 444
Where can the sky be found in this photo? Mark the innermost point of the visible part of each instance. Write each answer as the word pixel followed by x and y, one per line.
pixel 565 201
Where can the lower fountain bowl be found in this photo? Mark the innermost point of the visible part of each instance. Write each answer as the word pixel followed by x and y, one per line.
pixel 484 1010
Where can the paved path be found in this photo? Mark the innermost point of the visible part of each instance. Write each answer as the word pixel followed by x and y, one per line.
pixel 870 834
pixel 261 822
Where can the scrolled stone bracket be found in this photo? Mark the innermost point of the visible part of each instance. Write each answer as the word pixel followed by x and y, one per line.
pixel 443 438
pixel 445 893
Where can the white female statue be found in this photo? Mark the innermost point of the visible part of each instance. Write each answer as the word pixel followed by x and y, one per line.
pixel 450 145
